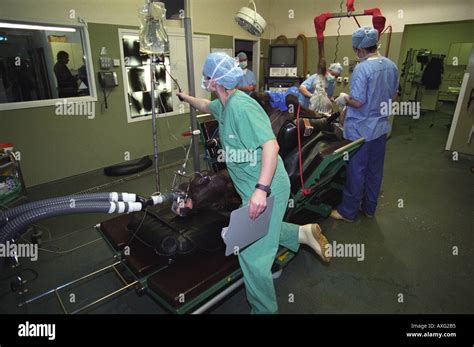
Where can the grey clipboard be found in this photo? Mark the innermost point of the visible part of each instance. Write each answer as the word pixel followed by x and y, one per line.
pixel 242 231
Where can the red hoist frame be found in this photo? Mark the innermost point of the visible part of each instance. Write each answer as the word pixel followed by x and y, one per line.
pixel 378 21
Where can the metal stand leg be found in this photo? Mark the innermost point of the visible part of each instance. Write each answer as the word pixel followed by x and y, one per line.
pixel 102 299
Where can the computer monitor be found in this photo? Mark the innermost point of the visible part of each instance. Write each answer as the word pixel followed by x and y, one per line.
pixel 283 55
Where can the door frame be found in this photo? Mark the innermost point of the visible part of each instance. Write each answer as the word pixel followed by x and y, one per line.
pixel 256 57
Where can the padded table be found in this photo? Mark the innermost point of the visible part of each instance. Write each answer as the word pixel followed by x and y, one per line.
pixel 181 276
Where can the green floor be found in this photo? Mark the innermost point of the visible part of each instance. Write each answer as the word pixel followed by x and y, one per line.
pixel 408 251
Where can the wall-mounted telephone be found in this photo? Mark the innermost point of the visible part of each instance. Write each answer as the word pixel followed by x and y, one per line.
pixel 108 79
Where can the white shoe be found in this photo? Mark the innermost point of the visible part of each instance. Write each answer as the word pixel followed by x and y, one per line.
pixel 336 215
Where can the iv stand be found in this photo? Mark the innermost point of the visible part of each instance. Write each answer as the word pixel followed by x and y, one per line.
pixel 153 122
pixel 188 33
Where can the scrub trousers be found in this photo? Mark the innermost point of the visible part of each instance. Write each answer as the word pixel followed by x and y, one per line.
pixel 257 259
pixel 364 179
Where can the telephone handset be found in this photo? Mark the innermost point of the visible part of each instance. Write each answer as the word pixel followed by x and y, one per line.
pixel 108 79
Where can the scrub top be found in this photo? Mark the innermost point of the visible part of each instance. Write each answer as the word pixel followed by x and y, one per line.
pixel 244 128
pixel 248 78
pixel 311 82
pixel 373 82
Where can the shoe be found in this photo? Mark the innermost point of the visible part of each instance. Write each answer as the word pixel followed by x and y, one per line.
pixel 336 215
pixel 322 240
pixel 366 214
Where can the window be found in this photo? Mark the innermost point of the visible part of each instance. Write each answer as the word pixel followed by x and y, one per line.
pixel 136 74
pixel 40 63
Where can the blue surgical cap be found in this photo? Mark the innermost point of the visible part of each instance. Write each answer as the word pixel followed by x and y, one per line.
pixel 223 69
pixel 365 37
pixel 335 67
pixel 242 55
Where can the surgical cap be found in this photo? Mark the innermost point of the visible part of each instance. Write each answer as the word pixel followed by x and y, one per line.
pixel 365 37
pixel 223 69
pixel 336 67
pixel 242 55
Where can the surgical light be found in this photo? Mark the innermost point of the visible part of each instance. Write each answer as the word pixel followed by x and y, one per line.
pixel 250 20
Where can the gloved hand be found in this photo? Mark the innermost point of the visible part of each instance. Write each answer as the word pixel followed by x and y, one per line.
pixel 341 99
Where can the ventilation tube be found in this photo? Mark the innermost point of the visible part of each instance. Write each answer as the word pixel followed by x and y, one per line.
pixel 13 229
pixel 26 214
pixel 69 199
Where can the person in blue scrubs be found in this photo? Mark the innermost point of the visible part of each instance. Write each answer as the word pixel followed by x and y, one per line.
pixel 324 80
pixel 373 83
pixel 244 126
pixel 247 83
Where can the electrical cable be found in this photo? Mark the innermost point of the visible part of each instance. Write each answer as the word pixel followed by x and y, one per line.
pixel 69 250
pixel 174 80
pixel 69 234
pixel 338 33
pixel 139 226
pixel 64 251
pixel 50 239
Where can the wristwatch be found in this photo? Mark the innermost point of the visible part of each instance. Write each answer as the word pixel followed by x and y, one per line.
pixel 264 188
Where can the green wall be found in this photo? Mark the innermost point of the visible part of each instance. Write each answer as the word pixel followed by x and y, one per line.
pixel 54 147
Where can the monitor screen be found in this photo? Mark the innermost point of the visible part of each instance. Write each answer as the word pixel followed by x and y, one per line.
pixel 283 56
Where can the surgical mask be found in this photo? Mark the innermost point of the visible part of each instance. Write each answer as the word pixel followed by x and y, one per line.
pixel 205 84
pixel 243 64
pixel 330 78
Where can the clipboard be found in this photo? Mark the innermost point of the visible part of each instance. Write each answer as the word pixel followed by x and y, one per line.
pixel 242 231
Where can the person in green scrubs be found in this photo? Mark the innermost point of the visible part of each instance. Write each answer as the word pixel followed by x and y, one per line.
pixel 256 169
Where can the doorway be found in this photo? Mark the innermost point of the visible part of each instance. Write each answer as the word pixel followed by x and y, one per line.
pixel 252 49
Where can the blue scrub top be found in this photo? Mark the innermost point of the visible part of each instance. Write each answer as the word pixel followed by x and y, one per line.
pixel 310 83
pixel 248 78
pixel 373 82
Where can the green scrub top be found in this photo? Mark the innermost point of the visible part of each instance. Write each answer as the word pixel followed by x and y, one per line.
pixel 243 128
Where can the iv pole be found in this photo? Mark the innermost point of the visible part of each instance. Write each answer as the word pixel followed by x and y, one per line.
pixel 188 33
pixel 153 122
pixel 192 91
